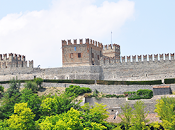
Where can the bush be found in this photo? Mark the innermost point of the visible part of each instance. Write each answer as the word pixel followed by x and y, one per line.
pixel 31 85
pixel 1 89
pixel 116 96
pixel 77 90
pixel 140 94
pixel 38 81
pixel 145 92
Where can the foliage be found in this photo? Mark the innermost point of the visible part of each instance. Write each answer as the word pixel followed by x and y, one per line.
pixel 106 82
pixel 169 81
pixel 96 114
pixel 165 108
pixel 140 94
pixel 113 95
pixel 70 81
pixel 57 104
pixel 70 120
pixel 11 96
pixel 31 85
pixel 32 100
pixel 38 81
pixel 139 115
pixel 77 90
pixel 134 119
pixel 145 92
pixel 130 93
pixel 22 117
pixel 1 88
pixel 126 115
pixel 14 88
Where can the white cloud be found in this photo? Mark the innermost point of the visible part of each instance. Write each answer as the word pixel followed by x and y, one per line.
pixel 38 34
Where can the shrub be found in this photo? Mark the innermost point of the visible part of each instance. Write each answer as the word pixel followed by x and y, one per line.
pixel 1 89
pixel 77 90
pixel 38 81
pixel 31 85
pixel 140 94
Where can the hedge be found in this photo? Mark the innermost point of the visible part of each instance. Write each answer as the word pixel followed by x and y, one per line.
pixel 169 81
pixel 106 82
pixel 70 81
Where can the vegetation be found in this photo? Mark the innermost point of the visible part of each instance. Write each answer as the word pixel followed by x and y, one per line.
pixel 165 108
pixel 169 81
pixel 140 94
pixel 77 90
pixel 1 89
pixel 26 110
pixel 153 82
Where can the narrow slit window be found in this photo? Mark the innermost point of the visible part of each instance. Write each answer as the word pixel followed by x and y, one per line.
pixel 79 55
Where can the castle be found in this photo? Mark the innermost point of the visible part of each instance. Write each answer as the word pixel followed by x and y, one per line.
pixel 91 60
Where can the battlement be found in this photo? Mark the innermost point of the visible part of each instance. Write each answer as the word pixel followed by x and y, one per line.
pixel 111 47
pixel 87 41
pixel 143 58
pixel 13 60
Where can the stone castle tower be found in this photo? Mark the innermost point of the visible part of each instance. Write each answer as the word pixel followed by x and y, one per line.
pixel 88 53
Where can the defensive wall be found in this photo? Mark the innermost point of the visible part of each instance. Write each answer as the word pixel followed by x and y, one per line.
pixel 93 61
pixel 139 68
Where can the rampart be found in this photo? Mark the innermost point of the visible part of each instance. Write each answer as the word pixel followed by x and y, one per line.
pixel 93 61
pixel 139 67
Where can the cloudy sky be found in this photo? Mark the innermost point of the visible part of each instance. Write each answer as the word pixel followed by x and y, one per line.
pixel 35 28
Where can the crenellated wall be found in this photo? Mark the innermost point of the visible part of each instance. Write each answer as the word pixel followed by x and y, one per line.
pixel 140 58
pixel 140 67
pixel 13 61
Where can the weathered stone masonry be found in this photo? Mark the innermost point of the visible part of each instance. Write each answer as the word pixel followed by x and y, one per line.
pixel 92 60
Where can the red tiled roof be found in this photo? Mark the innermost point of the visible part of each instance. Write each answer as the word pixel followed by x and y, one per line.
pixel 161 86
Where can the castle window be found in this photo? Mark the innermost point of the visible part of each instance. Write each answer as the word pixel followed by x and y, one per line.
pixel 92 55
pixel 79 55
pixel 71 55
pixel 75 48
pixel 92 62
pixel 98 57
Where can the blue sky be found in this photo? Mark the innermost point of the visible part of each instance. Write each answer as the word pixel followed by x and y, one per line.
pixel 35 28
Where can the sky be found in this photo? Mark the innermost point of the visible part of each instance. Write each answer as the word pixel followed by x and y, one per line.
pixel 35 28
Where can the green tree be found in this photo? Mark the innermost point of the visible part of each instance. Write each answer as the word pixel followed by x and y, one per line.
pixel 38 81
pixel 165 108
pixel 14 88
pixel 33 101
pixel 94 116
pixel 31 85
pixel 139 117
pixel 57 104
pixel 126 116
pixel 22 119
pixel 1 88
pixel 65 121
pixel 10 97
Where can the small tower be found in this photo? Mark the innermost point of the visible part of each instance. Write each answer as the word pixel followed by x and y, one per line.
pixel 112 51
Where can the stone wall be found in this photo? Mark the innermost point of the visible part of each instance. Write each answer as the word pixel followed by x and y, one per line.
pixel 139 71
pixel 115 104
